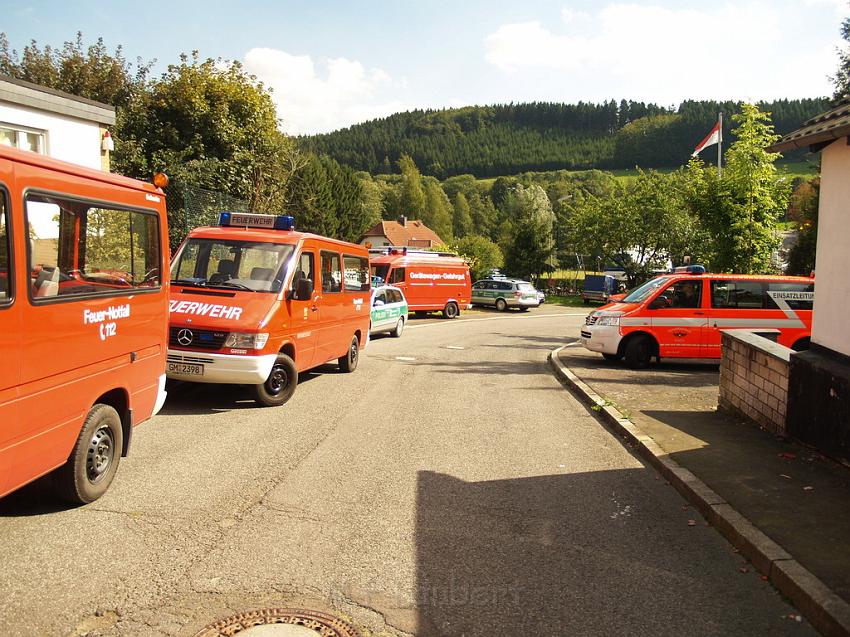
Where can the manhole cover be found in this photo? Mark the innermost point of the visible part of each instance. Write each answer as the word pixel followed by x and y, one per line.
pixel 279 622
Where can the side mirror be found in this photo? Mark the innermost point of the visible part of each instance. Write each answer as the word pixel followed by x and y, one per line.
pixel 303 290
pixel 378 303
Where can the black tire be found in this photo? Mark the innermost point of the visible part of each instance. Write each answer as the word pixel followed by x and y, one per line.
pixel 639 352
pixel 501 305
pixel 399 328
pixel 94 461
pixel 802 344
pixel 612 357
pixel 451 310
pixel 348 363
pixel 280 385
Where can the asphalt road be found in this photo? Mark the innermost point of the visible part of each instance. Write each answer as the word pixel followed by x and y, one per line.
pixel 450 486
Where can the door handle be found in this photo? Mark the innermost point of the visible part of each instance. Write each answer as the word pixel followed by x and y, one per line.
pixel 315 308
pixel 699 313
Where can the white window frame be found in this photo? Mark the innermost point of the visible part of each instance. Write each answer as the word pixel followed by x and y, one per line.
pixel 42 136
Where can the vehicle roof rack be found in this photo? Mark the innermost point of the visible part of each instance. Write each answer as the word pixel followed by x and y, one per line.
pixel 409 250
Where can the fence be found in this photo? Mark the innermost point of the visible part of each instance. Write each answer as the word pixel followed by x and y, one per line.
pixel 192 206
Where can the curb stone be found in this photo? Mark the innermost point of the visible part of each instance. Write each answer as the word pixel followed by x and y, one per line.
pixel 825 610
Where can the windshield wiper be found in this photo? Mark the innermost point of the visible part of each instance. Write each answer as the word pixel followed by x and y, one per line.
pixel 189 282
pixel 230 284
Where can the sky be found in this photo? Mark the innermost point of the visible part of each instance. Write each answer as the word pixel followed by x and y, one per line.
pixel 332 64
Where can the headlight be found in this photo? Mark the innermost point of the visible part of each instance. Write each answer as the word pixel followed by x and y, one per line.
pixel 246 341
pixel 607 319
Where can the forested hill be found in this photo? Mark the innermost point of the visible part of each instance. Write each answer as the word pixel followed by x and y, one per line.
pixel 488 141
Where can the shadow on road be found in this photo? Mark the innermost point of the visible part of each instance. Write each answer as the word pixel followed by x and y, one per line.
pixel 576 554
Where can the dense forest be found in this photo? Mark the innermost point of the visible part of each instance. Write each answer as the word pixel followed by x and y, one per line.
pixel 488 141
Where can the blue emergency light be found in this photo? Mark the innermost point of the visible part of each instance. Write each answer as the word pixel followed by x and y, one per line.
pixel 689 269
pixel 252 220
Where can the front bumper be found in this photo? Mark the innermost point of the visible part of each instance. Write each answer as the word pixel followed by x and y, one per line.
pixel 221 368
pixel 604 339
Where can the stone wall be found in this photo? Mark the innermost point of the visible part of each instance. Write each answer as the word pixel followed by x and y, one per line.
pixel 754 379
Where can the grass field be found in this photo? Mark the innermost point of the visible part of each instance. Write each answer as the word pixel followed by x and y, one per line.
pixel 566 301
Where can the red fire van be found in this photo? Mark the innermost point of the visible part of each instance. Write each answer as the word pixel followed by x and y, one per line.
pixel 255 303
pixel 83 320
pixel 682 315
pixel 431 281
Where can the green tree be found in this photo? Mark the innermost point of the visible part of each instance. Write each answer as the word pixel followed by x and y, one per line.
pixel 841 79
pixel 483 214
pixel 804 210
pixel 482 254
pixel 311 199
pixel 740 210
pixel 412 199
pixel 462 220
pixel 532 249
pixel 438 215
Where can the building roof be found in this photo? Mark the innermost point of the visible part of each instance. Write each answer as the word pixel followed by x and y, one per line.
pixel 50 100
pixel 819 130
pixel 402 235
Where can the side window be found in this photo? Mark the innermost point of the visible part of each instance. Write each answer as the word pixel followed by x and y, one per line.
pixel 331 272
pixel 737 295
pixel 477 286
pixel 681 295
pixel 397 276
pixel 798 296
pixel 356 274
pixel 5 253
pixel 80 248
pixel 303 269
pixel 504 285
pixel 396 296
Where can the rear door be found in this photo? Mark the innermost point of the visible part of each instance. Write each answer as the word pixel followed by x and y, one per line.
pixel 305 315
pixel 679 319
pixel 10 333
pixel 735 304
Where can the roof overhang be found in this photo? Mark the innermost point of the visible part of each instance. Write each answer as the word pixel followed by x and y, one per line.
pixel 818 132
pixel 31 95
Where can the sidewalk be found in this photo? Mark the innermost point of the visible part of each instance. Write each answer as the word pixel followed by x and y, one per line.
pixel 793 495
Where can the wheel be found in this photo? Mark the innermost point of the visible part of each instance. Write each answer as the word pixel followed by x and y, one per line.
pixel 280 385
pixel 348 363
pixel 501 305
pixel 612 357
pixel 801 345
pixel 638 352
pixel 399 328
pixel 93 462
pixel 450 311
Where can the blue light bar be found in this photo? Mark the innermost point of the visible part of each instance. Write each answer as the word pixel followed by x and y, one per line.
pixel 689 269
pixel 252 220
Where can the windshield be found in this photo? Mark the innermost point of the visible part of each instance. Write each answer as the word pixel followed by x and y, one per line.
pixel 640 294
pixel 381 272
pixel 254 266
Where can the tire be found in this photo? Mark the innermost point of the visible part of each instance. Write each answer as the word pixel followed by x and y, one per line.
pixel 399 329
pixel 280 385
pixel 612 357
pixel 501 305
pixel 348 363
pixel 639 352
pixel 94 461
pixel 802 344
pixel 450 311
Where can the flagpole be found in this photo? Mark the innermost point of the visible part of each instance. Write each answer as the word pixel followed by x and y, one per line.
pixel 719 142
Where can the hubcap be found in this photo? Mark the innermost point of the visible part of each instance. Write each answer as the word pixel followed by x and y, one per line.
pixel 277 380
pixel 100 453
pixel 352 355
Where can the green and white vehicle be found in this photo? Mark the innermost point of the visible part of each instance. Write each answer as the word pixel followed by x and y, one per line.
pixel 503 293
pixel 389 310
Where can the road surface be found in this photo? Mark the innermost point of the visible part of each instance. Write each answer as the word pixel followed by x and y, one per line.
pixel 450 486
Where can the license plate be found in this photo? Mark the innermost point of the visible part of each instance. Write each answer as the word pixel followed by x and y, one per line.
pixel 186 369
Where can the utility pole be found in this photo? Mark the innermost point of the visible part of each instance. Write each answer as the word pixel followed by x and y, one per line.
pixel 719 143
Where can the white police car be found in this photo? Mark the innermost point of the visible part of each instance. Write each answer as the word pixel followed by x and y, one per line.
pixel 389 310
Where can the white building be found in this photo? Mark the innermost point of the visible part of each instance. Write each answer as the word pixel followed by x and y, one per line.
pixel 54 123
pixel 819 379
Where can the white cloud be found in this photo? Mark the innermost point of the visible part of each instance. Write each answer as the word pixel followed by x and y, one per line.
pixel 840 7
pixel 340 93
pixel 736 51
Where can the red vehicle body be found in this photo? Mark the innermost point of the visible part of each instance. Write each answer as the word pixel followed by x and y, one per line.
pixel 239 315
pixel 83 320
pixel 431 281
pixel 683 315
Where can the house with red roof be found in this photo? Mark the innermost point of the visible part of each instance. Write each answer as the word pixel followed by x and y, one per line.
pixel 404 232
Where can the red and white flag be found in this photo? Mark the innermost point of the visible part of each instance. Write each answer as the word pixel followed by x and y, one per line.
pixel 710 140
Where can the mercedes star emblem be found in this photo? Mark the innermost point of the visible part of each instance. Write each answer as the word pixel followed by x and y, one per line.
pixel 184 337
